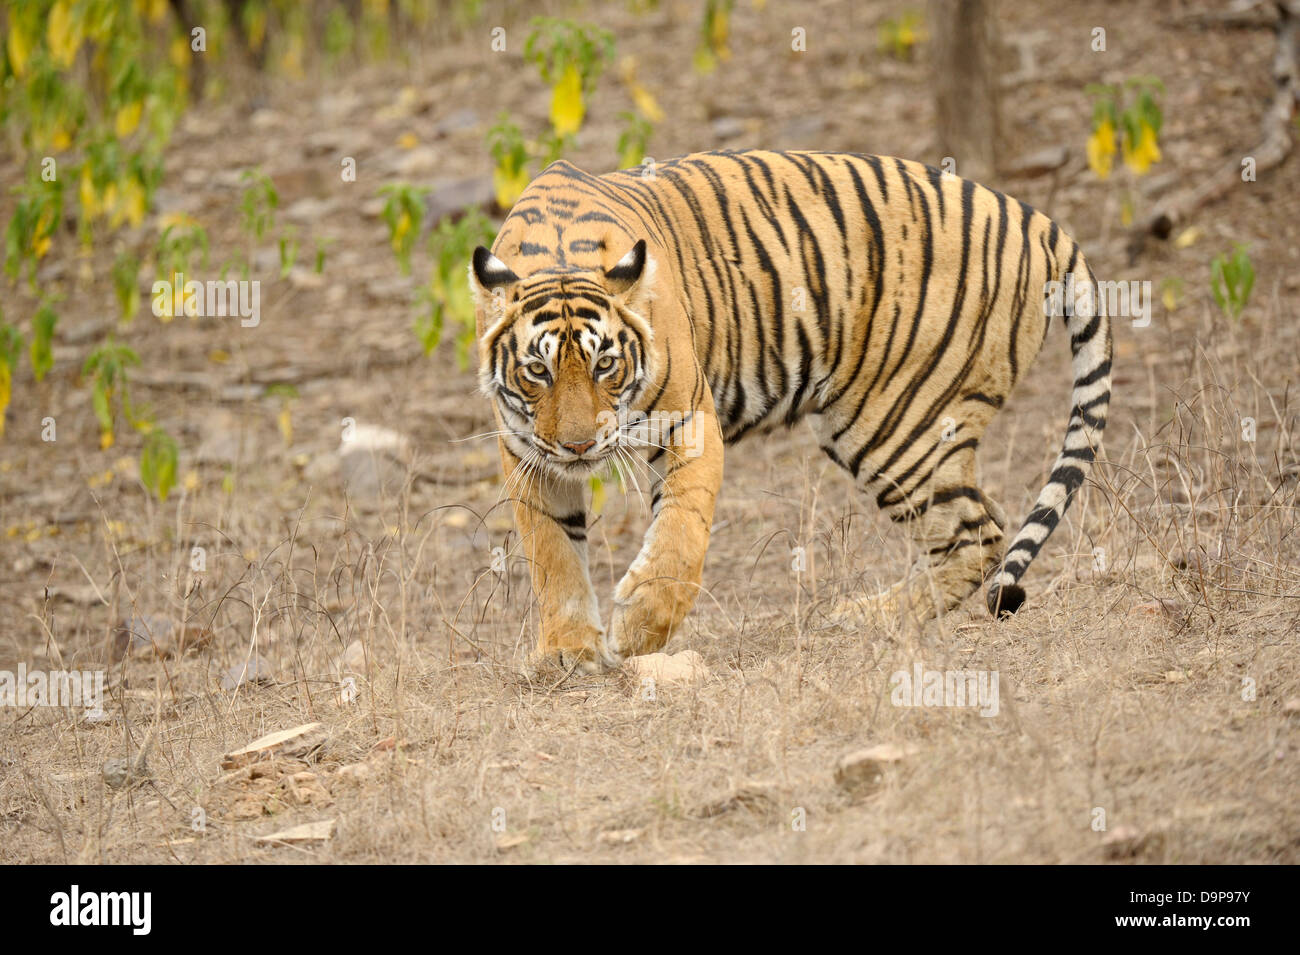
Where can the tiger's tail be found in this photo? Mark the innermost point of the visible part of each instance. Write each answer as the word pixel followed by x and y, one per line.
pixel 1090 346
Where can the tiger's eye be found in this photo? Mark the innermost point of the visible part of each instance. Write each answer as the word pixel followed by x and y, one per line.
pixel 605 364
pixel 537 368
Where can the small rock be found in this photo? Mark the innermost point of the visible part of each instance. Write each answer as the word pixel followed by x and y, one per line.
pixel 354 659
pixel 728 127
pixel 507 841
pixel 145 636
pixel 1039 163
pixel 1125 842
pixel 682 668
pixel 120 773
pixel 248 807
pixel 458 121
pixel 1292 706
pixel 415 162
pixel 454 197
pixel 862 771
pixel 756 797
pixel 1173 610
pixel 320 831
pixel 358 772
pixel 310 209
pixel 619 837
pixel 255 671
pixel 300 741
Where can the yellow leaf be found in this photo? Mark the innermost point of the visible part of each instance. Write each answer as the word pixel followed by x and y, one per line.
pixel 127 119
pixel 408 140
pixel 721 27
pixel 597 496
pixel 179 52
pixel 510 184
pixel 1140 155
pixel 402 227
pixel 86 192
pixel 646 104
pixel 191 481
pixel 106 440
pixel 134 202
pixel 567 108
pixel 60 141
pixel 19 45
pixel 6 383
pixel 1101 148
pixel 285 421
pixel 1170 298
pixel 1187 237
pixel 62 34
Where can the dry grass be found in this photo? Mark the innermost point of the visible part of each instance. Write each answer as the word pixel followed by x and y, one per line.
pixel 1121 682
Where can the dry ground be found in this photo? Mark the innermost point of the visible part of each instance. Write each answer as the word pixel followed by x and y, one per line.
pixel 1122 681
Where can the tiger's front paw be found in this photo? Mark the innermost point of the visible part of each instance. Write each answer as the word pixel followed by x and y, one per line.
pixel 578 650
pixel 637 628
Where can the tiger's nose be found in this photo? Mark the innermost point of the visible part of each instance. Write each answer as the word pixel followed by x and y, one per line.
pixel 580 447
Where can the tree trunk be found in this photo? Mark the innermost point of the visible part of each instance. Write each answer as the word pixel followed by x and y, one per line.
pixel 963 47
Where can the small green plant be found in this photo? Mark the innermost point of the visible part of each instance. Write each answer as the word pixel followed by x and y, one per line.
pixel 510 173
pixel 1127 119
pixel 126 285
pixel 180 246
pixel 570 56
pixel 900 35
pixel 259 202
pixel 287 394
pixel 31 229
pixel 1231 279
pixel 42 350
pixel 322 248
pixel 158 459
pixel 633 139
pixel 288 252
pixel 715 33
pixel 403 212
pixel 447 296
pixel 106 368
pixel 11 346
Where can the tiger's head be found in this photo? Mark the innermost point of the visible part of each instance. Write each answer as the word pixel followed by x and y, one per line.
pixel 564 353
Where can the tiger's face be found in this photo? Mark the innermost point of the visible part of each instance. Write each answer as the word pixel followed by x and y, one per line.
pixel 564 353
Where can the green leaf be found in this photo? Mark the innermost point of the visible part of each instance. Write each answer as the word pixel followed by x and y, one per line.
pixel 158 463
pixel 42 350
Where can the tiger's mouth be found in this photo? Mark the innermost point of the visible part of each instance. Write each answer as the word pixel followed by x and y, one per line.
pixel 570 464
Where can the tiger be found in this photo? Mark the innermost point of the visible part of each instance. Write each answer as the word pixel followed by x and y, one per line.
pixel 890 304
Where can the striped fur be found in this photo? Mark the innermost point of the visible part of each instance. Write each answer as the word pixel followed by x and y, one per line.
pixel 890 304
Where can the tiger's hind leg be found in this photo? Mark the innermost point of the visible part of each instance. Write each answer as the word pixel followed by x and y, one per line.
pixel 957 528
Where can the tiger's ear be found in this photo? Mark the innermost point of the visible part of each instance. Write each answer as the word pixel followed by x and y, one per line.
pixel 632 275
pixel 489 282
pixel 487 273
